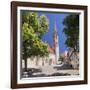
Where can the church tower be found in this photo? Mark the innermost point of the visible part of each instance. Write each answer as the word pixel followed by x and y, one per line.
pixel 56 43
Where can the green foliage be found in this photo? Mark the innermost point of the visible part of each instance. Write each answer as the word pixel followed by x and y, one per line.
pixel 44 24
pixel 39 24
pixel 71 30
pixel 33 28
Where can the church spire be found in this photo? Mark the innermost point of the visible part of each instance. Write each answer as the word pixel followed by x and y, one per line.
pixel 56 43
pixel 55 36
pixel 55 29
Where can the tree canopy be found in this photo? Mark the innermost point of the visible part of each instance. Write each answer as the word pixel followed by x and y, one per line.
pixel 71 30
pixel 33 28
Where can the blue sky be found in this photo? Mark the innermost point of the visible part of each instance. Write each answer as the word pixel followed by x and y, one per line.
pixel 58 19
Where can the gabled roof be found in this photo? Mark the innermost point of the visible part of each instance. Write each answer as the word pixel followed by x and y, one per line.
pixel 51 49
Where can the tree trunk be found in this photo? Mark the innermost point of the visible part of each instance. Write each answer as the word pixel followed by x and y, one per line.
pixel 25 64
pixel 50 61
pixel 42 61
pixel 37 61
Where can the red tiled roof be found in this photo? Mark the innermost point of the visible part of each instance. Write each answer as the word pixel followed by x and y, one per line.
pixel 51 49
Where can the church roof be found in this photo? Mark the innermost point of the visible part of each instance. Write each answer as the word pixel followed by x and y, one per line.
pixel 51 50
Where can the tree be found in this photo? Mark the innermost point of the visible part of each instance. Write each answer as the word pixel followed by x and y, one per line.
pixel 27 33
pixel 71 30
pixel 32 32
pixel 40 24
pixel 43 25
